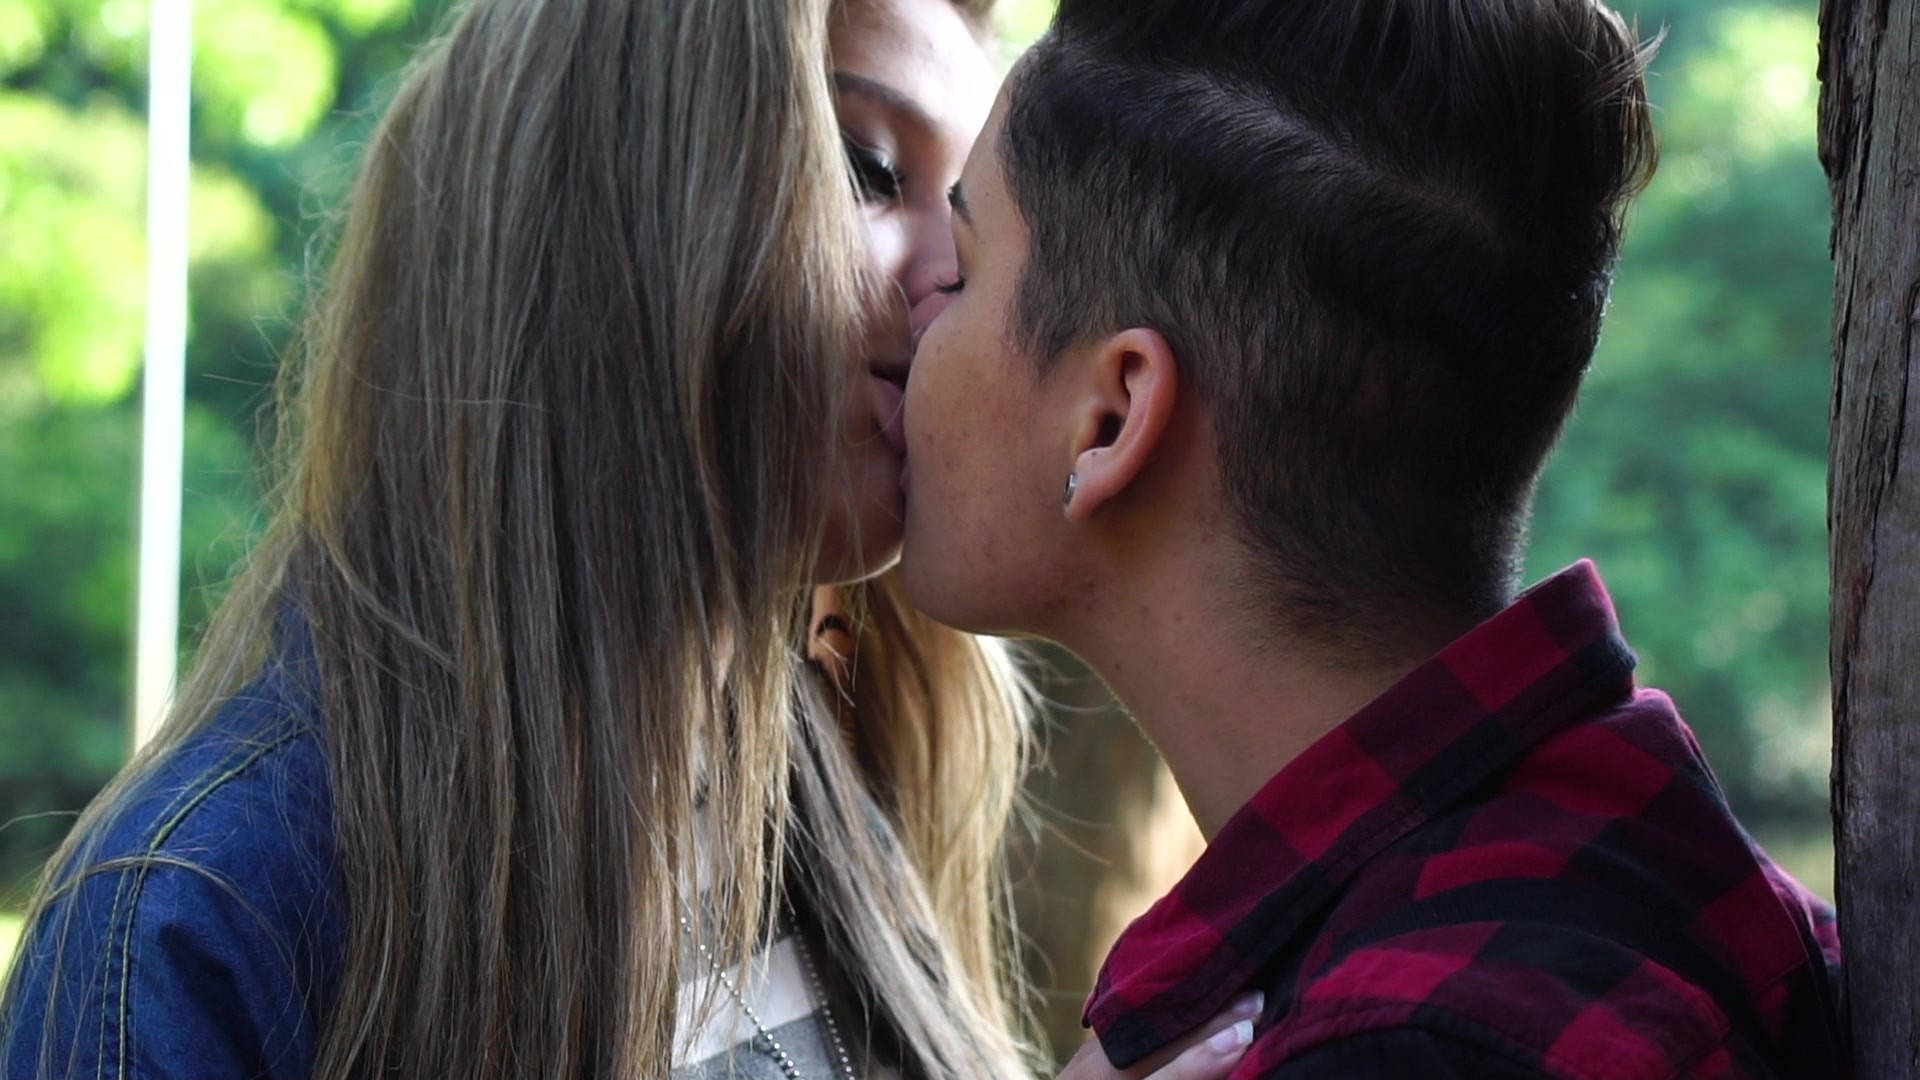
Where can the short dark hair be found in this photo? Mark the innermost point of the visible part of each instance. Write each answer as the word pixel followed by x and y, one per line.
pixel 1379 234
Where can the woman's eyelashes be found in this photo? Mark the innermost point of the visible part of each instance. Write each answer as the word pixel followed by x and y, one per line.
pixel 951 287
pixel 875 177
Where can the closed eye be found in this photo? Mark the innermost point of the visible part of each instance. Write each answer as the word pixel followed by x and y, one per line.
pixel 875 177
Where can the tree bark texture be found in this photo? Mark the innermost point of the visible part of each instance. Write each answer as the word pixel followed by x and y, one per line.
pixel 1870 144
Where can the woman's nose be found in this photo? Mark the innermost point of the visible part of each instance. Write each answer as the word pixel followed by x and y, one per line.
pixel 931 261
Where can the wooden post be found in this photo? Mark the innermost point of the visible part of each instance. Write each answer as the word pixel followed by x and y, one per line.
pixel 1870 144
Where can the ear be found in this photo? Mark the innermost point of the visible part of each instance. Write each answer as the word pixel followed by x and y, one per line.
pixel 1132 381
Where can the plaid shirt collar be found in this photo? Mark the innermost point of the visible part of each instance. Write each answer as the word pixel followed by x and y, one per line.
pixel 1551 659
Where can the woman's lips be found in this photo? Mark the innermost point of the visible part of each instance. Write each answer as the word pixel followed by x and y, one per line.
pixel 889 400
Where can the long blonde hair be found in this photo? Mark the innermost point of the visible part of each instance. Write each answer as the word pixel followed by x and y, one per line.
pixel 558 441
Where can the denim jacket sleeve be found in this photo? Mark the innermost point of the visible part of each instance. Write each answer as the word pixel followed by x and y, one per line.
pixel 197 931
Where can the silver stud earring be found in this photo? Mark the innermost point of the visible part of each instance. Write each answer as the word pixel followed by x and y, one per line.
pixel 1073 484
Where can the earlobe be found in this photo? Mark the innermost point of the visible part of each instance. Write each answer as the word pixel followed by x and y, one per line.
pixel 1135 384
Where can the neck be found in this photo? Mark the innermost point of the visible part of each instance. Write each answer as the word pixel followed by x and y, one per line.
pixel 1227 701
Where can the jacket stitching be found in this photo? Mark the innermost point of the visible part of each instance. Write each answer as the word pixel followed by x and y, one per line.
pixel 185 804
pixel 111 1006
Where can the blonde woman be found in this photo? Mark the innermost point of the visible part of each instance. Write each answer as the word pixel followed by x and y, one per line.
pixel 502 759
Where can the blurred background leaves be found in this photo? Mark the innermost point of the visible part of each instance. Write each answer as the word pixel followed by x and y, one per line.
pixel 282 89
pixel 1693 470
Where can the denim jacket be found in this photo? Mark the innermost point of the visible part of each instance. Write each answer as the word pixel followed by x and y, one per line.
pixel 200 930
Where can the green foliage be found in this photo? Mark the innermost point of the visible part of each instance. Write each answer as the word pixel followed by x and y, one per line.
pixel 280 88
pixel 1693 470
pixel 71 192
pixel 66 565
pixel 1020 23
pixel 266 72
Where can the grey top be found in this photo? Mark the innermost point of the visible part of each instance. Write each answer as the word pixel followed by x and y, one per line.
pixel 720 1042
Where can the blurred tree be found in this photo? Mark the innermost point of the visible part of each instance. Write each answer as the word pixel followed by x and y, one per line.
pixel 281 89
pixel 1870 67
pixel 1110 832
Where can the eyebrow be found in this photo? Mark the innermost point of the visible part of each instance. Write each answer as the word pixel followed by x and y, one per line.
pixel 958 200
pixel 847 82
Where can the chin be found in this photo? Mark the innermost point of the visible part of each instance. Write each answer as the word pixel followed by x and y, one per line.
pixel 977 595
pixel 929 590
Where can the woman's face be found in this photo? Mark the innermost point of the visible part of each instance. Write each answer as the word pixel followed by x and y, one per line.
pixel 912 88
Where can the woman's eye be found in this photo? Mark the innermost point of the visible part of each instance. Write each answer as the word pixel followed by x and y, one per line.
pixel 875 179
pixel 952 287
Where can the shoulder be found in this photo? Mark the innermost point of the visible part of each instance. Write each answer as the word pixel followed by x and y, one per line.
pixel 1537 996
pixel 244 803
pixel 198 919
pixel 1566 923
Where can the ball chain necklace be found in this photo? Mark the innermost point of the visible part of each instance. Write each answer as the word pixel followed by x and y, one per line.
pixel 763 1038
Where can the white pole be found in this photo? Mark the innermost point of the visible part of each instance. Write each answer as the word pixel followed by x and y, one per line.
pixel 163 414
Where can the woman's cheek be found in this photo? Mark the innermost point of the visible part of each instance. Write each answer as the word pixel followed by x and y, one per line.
pixel 887 252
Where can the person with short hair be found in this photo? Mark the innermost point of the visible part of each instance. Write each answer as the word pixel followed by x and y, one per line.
pixel 1268 315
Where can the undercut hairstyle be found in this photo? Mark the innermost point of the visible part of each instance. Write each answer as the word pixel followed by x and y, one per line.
pixel 1378 234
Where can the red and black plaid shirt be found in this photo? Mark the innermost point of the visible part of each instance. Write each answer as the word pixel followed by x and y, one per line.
pixel 1512 863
